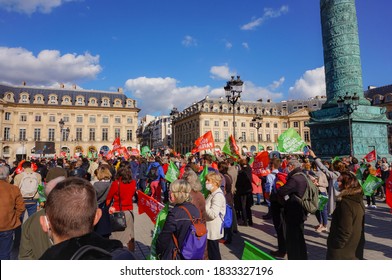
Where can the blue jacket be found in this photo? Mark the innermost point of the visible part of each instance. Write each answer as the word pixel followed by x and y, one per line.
pixel 161 174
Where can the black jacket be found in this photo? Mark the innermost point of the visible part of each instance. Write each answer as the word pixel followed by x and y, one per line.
pixel 244 181
pixel 295 189
pixel 66 249
pixel 177 222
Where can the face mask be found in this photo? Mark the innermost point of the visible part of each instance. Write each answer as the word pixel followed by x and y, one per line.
pixel 336 186
pixel 208 186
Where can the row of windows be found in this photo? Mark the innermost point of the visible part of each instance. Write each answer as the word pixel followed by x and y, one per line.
pixel 251 124
pixel 66 133
pixel 261 137
pixel 79 118
pixel 67 100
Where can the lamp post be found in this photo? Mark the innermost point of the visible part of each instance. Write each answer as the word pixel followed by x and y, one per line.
pixel 348 105
pixel 23 142
pixel 233 91
pixel 173 115
pixel 61 124
pixel 257 123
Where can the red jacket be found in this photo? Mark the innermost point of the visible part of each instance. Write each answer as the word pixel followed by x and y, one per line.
pixel 127 192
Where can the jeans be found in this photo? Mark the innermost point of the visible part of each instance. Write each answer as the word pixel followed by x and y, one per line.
pixel 31 207
pixel 6 242
pixel 322 216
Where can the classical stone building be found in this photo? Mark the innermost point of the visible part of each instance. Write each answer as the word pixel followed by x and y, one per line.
pixel 92 120
pixel 216 115
pixel 382 97
pixel 155 132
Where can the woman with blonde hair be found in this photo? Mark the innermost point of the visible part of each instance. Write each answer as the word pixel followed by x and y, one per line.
pixel 177 222
pixel 215 212
pixel 197 198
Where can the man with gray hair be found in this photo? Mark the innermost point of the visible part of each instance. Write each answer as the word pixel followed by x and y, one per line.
pixel 11 207
pixel 294 214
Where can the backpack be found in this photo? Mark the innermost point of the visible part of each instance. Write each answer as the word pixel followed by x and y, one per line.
pixel 28 185
pixel 228 218
pixel 152 174
pixel 195 240
pixel 311 196
pixel 116 254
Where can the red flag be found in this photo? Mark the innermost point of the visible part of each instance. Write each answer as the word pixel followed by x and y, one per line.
pixel 204 142
pixel 116 144
pixel 388 191
pixel 148 205
pixel 260 163
pixel 370 156
pixel 135 152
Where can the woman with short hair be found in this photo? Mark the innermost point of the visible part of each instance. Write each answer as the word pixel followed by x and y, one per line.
pixel 215 212
pixel 177 222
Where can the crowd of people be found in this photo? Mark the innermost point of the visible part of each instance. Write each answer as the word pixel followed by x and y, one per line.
pixel 81 194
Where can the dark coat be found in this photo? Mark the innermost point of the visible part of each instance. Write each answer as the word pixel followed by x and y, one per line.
pixel 244 181
pixel 178 223
pixel 66 249
pixel 346 239
pixel 295 189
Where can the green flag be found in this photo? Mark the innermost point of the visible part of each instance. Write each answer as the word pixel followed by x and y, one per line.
pixel 323 199
pixel 252 159
pixel 359 173
pixel 145 150
pixel 371 184
pixel 172 172
pixel 252 253
pixel 290 141
pixel 230 148
pixel 202 178
pixel 89 154
pixel 160 222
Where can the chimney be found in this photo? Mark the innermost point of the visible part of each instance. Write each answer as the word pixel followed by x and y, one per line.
pixel 120 89
pixel 74 86
pixel 24 83
pixel 61 85
pixel 268 100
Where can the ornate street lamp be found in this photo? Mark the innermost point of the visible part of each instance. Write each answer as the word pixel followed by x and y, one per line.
pixel 173 115
pixel 61 124
pixel 348 105
pixel 233 91
pixel 257 123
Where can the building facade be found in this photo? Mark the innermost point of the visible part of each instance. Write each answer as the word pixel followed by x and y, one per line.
pixel 72 121
pixel 382 97
pixel 216 115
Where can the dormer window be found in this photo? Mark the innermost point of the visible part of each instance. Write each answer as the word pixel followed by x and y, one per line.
pixel 80 101
pixel 66 99
pixel 24 98
pixel 105 102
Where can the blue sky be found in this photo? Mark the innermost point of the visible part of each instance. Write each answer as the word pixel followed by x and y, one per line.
pixel 167 53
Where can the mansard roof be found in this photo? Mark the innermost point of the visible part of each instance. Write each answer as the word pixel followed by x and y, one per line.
pixel 61 92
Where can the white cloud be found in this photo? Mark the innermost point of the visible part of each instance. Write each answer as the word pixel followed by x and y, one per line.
pixel 276 84
pixel 189 41
pixel 159 95
pixel 252 92
pixel 245 45
pixel 48 67
pixel 268 13
pixel 31 6
pixel 311 83
pixel 221 72
pixel 228 45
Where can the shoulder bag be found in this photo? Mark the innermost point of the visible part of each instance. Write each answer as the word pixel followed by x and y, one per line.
pixel 118 221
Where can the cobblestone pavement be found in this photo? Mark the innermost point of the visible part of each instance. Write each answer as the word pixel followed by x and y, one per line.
pixel 378 234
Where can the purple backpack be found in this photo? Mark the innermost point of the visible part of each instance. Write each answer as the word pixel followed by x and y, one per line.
pixel 195 240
